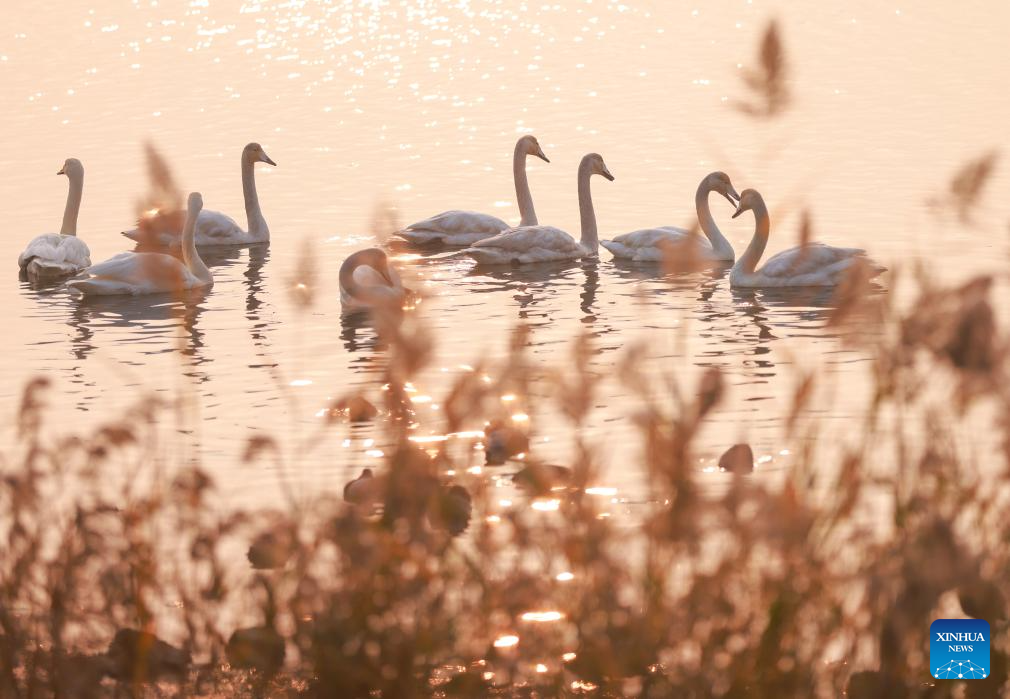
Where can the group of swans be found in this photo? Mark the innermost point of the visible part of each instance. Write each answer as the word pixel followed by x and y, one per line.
pixel 490 241
pixel 55 256
pixel 368 280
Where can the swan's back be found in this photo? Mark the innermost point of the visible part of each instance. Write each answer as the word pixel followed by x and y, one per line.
pixel 164 229
pixel 136 273
pixel 812 258
pixel 453 228
pixel 53 254
pixel 814 264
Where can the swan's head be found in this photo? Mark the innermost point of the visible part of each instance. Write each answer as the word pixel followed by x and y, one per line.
pixel 71 167
pixel 254 153
pixel 195 203
pixel 750 200
pixel 594 161
pixel 719 182
pixel 377 260
pixel 529 145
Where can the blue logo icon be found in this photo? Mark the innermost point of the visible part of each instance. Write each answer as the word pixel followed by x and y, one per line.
pixel 959 649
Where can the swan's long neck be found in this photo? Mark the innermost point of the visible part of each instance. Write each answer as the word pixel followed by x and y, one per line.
pixel 190 257
pixel 257 224
pixel 523 196
pixel 720 245
pixel 762 224
pixel 590 236
pixel 346 276
pixel 73 207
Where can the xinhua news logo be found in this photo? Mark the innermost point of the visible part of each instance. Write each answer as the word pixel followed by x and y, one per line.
pixel 959 649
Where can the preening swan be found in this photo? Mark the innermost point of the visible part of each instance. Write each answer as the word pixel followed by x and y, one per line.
pixel 162 228
pixel 53 255
pixel 367 280
pixel 467 227
pixel 547 243
pixel 812 264
pixel 150 272
pixel 647 245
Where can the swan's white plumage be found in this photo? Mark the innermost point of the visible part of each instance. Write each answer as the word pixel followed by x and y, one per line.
pixel 647 245
pixel 149 272
pixel 55 255
pixel 137 273
pixel 460 228
pixel 815 264
pixel 453 228
pixel 811 264
pixel 527 244
pixel 212 228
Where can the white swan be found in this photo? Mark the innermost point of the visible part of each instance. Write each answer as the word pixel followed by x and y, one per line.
pixel 812 264
pixel 547 243
pixel 55 255
pixel 161 228
pixel 467 227
pixel 647 245
pixel 367 280
pixel 150 272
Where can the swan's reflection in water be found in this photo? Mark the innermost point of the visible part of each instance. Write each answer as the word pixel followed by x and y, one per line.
pixel 147 322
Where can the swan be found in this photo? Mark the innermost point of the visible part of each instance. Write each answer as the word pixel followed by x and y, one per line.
pixel 462 228
pixel 54 255
pixel 150 272
pixel 367 280
pixel 547 243
pixel 812 264
pixel 160 228
pixel 647 245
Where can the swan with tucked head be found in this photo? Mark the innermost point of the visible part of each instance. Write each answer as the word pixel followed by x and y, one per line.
pixel 467 227
pixel 368 281
pixel 647 245
pixel 527 244
pixel 55 255
pixel 150 272
pixel 812 264
pixel 161 228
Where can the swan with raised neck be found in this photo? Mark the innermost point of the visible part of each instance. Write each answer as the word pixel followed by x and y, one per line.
pixel 542 243
pixel 647 244
pixel 163 228
pixel 457 227
pixel 57 255
pixel 150 272
pixel 810 264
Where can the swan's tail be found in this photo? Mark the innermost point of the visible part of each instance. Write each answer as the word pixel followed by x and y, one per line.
pixel 133 234
pixel 486 255
pixel 37 268
pixel 95 286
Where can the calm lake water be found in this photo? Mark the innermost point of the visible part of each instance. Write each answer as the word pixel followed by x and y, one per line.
pixel 416 106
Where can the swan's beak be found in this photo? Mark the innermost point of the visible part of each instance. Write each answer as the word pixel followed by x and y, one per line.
pixel 606 173
pixel 540 154
pixel 264 158
pixel 738 212
pixel 62 171
pixel 731 196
